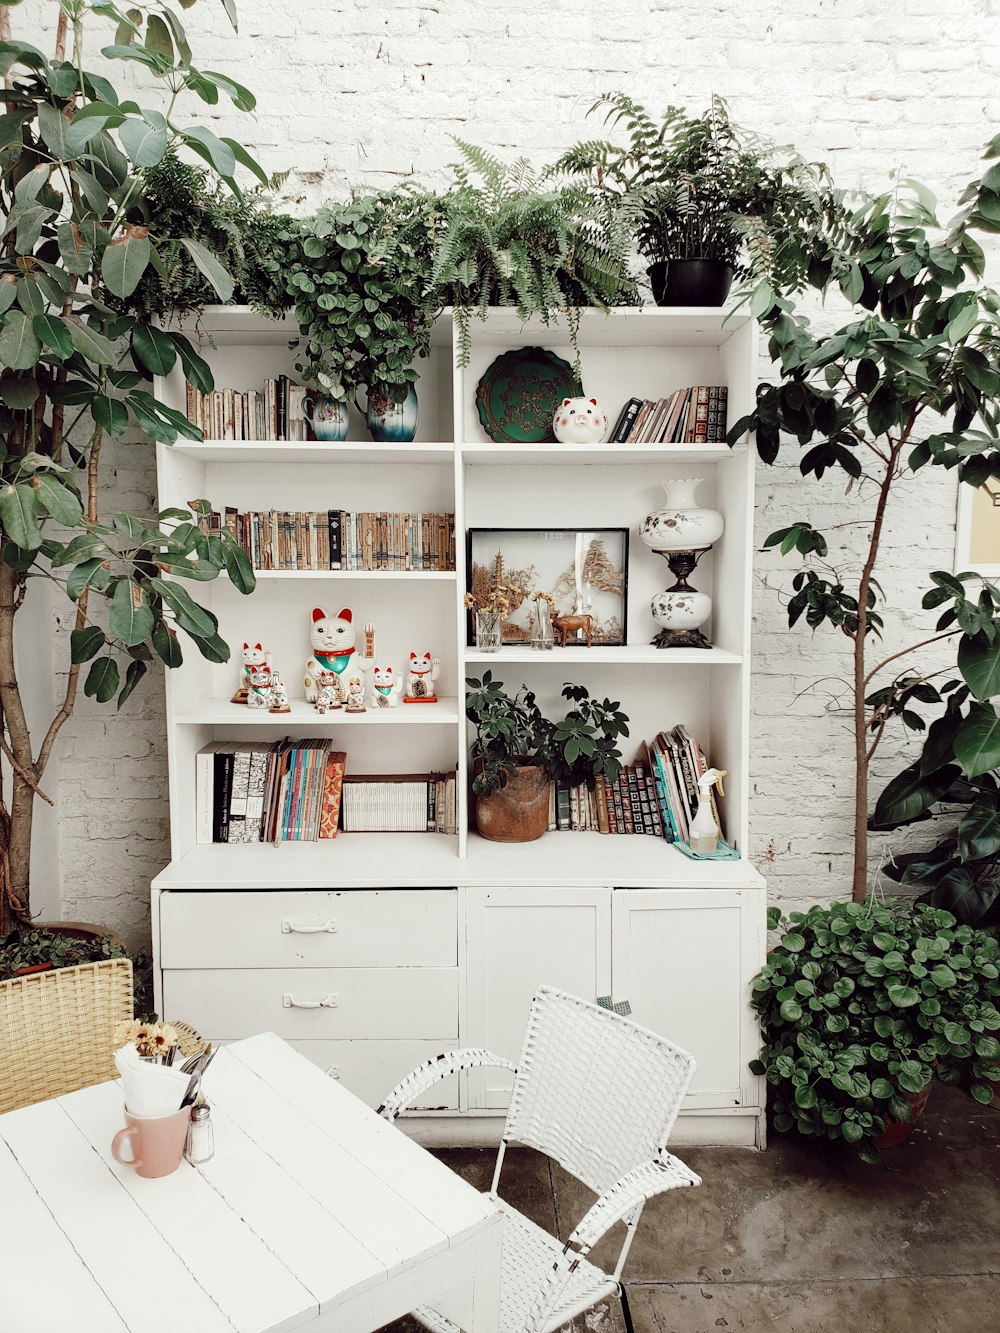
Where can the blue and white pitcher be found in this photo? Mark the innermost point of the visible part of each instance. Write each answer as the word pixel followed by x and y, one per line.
pixel 396 424
pixel 326 416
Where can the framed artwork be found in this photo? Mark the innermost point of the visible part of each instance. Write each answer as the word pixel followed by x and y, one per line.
pixel 978 544
pixel 583 570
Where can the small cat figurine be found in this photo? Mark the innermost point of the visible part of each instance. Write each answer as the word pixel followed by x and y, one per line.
pixel 355 695
pixel 328 689
pixel 423 672
pixel 252 657
pixel 260 691
pixel 333 643
pixel 384 688
pixel 279 696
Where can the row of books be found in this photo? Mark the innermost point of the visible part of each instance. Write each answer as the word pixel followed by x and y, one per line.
pixel 271 413
pixel 656 795
pixel 696 415
pixel 334 539
pixel 400 803
pixel 296 791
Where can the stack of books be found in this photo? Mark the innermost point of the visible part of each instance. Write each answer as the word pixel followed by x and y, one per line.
pixel 676 761
pixel 400 803
pixel 259 791
pixel 334 539
pixel 271 413
pixel 696 415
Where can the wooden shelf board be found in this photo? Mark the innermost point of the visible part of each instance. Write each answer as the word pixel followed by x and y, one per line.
pixel 631 654
pixel 222 713
pixel 373 860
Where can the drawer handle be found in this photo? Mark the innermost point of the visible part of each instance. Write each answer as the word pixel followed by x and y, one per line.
pixel 288 1001
pixel 290 928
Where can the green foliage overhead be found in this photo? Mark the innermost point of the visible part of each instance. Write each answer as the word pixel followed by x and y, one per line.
pixel 861 1004
pixel 511 731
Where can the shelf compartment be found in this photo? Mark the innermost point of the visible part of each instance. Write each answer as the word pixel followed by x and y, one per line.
pixel 631 455
pixel 221 713
pixel 318 452
pixel 629 655
pixel 635 326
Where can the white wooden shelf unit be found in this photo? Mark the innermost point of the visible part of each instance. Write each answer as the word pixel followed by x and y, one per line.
pixel 628 916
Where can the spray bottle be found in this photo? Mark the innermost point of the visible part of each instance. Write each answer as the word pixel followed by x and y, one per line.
pixel 704 832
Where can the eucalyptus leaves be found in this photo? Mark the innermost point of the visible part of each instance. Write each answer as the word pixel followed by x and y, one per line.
pixel 860 1004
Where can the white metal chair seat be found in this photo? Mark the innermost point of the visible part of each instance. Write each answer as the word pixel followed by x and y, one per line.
pixel 599 1094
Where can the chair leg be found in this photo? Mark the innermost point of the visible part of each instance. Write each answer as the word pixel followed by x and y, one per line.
pixel 626 1312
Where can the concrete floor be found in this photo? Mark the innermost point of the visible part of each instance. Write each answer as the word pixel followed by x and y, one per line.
pixel 802 1238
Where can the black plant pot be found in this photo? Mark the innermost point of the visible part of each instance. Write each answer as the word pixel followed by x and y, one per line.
pixel 691 281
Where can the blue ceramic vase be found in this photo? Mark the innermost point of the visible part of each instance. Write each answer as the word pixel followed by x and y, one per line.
pixel 327 417
pixel 397 424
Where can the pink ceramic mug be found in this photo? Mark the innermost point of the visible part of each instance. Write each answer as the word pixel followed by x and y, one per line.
pixel 156 1142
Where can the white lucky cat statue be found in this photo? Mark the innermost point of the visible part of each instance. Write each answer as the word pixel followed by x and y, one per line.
pixel 384 688
pixel 422 673
pixel 355 696
pixel 580 421
pixel 279 697
pixel 333 642
pixel 260 691
pixel 255 656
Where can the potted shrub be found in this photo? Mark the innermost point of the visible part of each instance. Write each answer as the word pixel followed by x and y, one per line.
pixel 75 371
pixel 359 275
pixel 862 1006
pixel 710 201
pixel 512 236
pixel 517 752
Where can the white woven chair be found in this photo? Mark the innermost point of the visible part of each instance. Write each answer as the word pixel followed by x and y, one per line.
pixel 599 1094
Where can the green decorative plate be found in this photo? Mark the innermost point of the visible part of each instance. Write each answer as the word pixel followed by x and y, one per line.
pixel 518 394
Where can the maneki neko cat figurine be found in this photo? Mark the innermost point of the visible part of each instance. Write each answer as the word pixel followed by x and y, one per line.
pixel 355 696
pixel 384 688
pixel 252 657
pixel 327 692
pixel 422 673
pixel 279 696
pixel 260 691
pixel 334 651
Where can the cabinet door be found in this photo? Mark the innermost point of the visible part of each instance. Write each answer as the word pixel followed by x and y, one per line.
pixel 520 939
pixel 684 960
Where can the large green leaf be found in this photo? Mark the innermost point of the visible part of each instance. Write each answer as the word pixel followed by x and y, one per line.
pixel 58 500
pixel 167 645
pixel 50 330
pixel 136 671
pixel 238 567
pixel 196 368
pixel 125 261
pixel 144 143
pixel 75 250
pixel 154 348
pixel 979 832
pixel 88 572
pixel 190 616
pixel 19 516
pixel 216 153
pixel 19 345
pixel 979 663
pixel 102 680
pixel 90 344
pixel 86 643
pixel 938 747
pixel 110 413
pixel 88 122
pixel 977 741
pixel 909 795
pixel 52 126
pixel 131 615
pixel 211 268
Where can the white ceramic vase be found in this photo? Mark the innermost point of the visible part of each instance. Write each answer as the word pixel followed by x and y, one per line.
pixel 681 608
pixel 681 525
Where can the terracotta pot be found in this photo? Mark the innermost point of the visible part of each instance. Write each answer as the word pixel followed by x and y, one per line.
pixel 518 812
pixel 898 1131
pixel 79 930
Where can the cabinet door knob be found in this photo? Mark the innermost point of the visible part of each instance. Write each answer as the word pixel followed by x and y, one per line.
pixel 292 928
pixel 288 1001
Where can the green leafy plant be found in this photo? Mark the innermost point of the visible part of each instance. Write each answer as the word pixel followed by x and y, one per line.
pixel 861 1004
pixel 359 276
pixel 74 370
pixel 512 236
pixel 181 201
pixel 864 402
pixel 700 187
pixel 512 732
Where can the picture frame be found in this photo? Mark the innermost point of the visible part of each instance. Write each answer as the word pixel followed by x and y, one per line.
pixel 582 569
pixel 977 545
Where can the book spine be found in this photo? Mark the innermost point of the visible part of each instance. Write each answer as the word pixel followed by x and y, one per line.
pixel 223 771
pixel 635 802
pixel 638 423
pixel 701 415
pixel 626 420
pixel 618 805
pixel 602 805
pixel 281 406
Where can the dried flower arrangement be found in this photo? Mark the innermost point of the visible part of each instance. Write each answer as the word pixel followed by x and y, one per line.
pixel 153 1041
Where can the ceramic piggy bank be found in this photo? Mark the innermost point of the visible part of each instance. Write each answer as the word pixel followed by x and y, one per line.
pixel 580 421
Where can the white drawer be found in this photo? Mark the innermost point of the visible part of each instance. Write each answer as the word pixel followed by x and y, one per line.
pixel 310 928
pixel 371 1068
pixel 360 1002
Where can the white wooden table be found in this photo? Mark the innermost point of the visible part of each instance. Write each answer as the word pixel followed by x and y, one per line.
pixel 314 1213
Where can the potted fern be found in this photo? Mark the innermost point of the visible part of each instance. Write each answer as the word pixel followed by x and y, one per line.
pixel 711 201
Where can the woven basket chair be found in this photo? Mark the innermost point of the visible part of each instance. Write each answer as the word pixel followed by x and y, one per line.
pixel 599 1094
pixel 56 1029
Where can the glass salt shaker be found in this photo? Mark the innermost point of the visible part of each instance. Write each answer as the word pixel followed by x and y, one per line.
pixel 201 1134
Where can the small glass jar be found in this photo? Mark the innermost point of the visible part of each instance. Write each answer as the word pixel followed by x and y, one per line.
pixel 488 627
pixel 542 636
pixel 200 1146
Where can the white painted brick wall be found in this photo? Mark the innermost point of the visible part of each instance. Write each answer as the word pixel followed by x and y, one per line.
pixel 356 93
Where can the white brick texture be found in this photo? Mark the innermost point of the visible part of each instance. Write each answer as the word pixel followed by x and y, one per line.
pixel 354 93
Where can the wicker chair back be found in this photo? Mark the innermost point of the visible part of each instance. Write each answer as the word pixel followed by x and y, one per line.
pixel 596 1091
